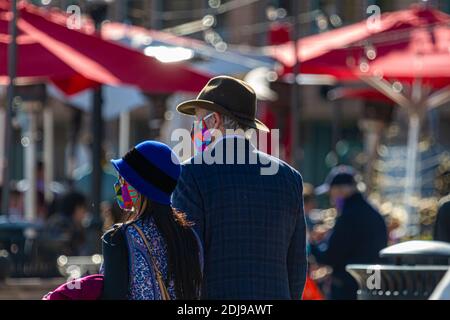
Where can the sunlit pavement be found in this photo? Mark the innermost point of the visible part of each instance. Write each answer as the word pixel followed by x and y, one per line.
pixel 27 288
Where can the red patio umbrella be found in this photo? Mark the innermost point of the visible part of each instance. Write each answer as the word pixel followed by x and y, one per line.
pixel 405 55
pixel 367 94
pixel 75 60
pixel 410 47
pixel 403 45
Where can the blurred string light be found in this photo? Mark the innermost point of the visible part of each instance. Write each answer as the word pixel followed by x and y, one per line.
pixel 97 259
pixel 272 76
pixel 62 260
pixel 208 21
pixel 262 27
pixel 397 86
pixel 74 271
pixel 342 147
pixel 392 37
pixel 255 28
pixel 336 20
pixel 364 65
pixel 169 54
pixel 322 22
pixel 378 73
pixel 215 7
pixel 370 51
pixel 214 38
pixel 221 46
pixel 25 141
pixel 273 13
pixel 214 4
pixel 168 115
pixel 331 159
pixel 140 38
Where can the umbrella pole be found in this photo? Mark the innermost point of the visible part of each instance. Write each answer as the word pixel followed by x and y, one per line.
pixel 411 173
pixel 97 134
pixel 30 167
pixel 2 143
pixel 295 95
pixel 48 152
pixel 124 132
pixel 95 229
pixel 124 121
pixel 12 66
pixel 98 12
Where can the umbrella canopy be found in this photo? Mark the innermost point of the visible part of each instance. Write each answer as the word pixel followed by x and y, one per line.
pixel 405 55
pixel 402 45
pixel 198 54
pixel 75 60
pixel 366 94
pixel 116 100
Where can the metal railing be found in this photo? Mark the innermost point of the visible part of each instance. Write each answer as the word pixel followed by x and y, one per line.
pixel 417 268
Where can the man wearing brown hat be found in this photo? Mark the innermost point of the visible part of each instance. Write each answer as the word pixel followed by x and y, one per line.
pixel 251 224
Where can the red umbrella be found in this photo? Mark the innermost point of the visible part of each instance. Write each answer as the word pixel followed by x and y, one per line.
pixel 403 45
pixel 75 60
pixel 405 55
pixel 367 94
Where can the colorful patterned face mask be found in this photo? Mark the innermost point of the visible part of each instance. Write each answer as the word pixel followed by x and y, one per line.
pixel 201 135
pixel 126 195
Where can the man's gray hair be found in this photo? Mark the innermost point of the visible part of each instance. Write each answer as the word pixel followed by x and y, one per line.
pixel 230 123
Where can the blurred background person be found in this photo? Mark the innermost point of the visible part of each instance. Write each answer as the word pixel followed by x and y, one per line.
pixel 40 176
pixel 309 204
pixel 312 290
pixel 83 180
pixel 42 208
pixel 442 225
pixel 357 236
pixel 111 215
pixel 69 222
pixel 16 203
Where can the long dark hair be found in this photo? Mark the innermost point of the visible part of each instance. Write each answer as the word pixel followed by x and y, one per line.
pixel 182 247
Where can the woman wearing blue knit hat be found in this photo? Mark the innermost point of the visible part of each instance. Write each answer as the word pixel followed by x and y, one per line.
pixel 155 255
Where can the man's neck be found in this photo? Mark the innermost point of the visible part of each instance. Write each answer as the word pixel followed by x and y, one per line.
pixel 224 135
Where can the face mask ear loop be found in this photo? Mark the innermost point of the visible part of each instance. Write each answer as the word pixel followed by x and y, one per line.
pixel 208 116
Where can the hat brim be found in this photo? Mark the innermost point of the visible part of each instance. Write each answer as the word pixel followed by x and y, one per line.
pixel 188 108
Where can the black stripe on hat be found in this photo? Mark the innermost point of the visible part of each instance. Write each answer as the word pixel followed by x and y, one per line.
pixel 149 172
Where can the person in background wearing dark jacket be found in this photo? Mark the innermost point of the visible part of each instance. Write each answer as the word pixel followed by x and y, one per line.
pixel 309 204
pixel 357 237
pixel 442 224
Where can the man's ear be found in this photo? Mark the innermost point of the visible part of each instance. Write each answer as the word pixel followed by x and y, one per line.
pixel 218 120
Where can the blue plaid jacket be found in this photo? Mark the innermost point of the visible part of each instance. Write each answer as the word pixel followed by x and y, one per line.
pixel 252 225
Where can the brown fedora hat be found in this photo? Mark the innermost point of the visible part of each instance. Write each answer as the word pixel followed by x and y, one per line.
pixel 229 96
